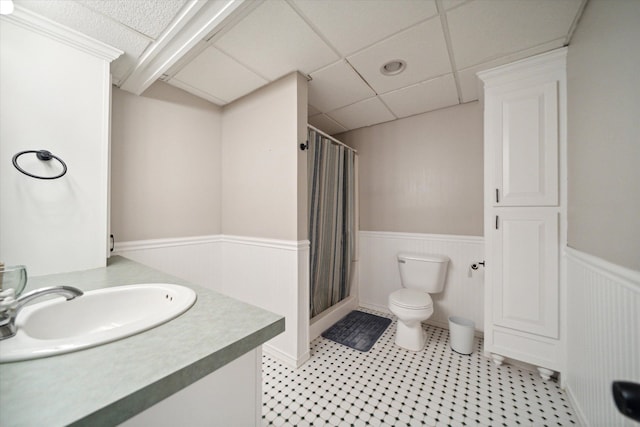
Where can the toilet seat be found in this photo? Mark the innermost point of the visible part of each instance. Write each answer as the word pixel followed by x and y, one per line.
pixel 412 299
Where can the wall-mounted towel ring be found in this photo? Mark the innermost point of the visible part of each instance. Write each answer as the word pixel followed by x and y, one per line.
pixel 43 155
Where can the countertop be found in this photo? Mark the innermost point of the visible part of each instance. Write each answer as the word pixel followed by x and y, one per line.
pixel 108 384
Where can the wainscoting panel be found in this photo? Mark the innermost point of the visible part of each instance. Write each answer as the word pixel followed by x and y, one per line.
pixel 603 335
pixel 463 293
pixel 268 273
pixel 196 259
pixel 265 273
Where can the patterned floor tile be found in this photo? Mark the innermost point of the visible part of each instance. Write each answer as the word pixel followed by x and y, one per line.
pixel 389 386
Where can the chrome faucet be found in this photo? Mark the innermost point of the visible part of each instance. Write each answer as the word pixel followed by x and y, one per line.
pixel 10 307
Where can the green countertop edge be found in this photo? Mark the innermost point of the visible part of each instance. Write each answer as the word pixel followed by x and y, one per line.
pixel 142 399
pixel 256 327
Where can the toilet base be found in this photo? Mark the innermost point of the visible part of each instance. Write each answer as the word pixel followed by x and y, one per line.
pixel 410 337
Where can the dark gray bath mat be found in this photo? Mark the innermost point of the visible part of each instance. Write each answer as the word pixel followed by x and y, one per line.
pixel 358 330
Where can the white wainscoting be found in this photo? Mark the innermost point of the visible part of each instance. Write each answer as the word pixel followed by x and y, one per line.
pixel 196 259
pixel 274 275
pixel 268 273
pixel 463 293
pixel 603 335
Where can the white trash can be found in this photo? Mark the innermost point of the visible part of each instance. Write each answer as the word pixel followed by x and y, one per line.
pixel 461 332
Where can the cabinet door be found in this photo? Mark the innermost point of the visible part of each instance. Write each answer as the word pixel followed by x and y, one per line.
pixel 524 136
pixel 525 285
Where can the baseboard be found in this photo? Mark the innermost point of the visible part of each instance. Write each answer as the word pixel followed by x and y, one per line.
pixel 582 420
pixel 436 323
pixel 375 307
pixel 284 357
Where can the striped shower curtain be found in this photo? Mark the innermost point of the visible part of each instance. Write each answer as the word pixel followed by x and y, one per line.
pixel 331 221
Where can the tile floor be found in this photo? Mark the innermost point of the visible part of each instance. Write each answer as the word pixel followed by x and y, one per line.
pixel 388 386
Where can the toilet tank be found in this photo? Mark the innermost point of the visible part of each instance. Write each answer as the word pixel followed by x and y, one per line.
pixel 424 272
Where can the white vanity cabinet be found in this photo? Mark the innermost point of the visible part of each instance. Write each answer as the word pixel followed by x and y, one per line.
pixel 525 210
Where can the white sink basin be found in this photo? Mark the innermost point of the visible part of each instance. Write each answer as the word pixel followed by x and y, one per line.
pixel 59 326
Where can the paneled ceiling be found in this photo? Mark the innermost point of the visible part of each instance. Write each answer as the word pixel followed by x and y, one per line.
pixel 340 45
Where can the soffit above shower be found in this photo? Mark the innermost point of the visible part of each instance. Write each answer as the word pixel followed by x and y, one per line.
pixel 221 50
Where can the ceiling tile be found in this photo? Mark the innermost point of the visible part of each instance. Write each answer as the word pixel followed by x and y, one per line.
pixel 450 4
pixel 326 124
pixel 311 110
pixel 90 23
pixel 422 47
pixel 427 96
pixel 215 73
pixel 353 25
pixel 150 17
pixel 483 30
pixel 364 113
pixel 469 81
pixel 197 92
pixel 94 24
pixel 121 67
pixel 275 40
pixel 274 37
pixel 336 86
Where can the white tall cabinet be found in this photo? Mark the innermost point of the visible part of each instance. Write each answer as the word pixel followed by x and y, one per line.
pixel 525 210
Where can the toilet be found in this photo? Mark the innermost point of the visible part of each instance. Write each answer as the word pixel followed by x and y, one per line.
pixel 420 275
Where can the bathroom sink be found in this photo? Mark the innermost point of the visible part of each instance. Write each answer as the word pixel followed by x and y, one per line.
pixel 59 326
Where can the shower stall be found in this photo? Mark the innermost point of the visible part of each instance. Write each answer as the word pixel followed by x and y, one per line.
pixel 333 229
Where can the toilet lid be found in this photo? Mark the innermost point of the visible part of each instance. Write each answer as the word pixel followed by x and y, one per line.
pixel 411 298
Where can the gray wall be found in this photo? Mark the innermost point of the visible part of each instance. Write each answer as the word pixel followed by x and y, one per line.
pixel 422 174
pixel 260 137
pixel 165 164
pixel 603 70
pixel 181 166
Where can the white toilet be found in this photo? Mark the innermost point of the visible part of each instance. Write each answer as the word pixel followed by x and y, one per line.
pixel 420 276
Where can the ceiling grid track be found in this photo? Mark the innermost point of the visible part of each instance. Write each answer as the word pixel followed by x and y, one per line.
pixel 447 39
pixel 315 30
pixel 210 39
pixel 377 95
pixel 224 49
